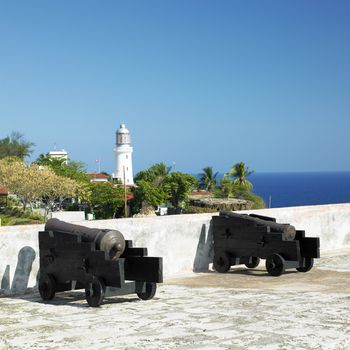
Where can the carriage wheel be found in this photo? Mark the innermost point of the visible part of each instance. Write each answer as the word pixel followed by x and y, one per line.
pixel 308 264
pixel 151 289
pixel 255 262
pixel 222 262
pixel 47 286
pixel 275 265
pixel 95 292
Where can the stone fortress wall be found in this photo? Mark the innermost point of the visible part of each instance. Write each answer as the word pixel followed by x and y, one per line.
pixel 184 241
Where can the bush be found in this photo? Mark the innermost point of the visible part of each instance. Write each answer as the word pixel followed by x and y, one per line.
pixel 19 221
pixel 72 207
pixel 4 220
pixel 198 210
pixel 11 211
pixel 258 202
pixel 34 216
pixel 14 216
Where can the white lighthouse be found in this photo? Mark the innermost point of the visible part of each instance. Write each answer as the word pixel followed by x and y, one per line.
pixel 123 156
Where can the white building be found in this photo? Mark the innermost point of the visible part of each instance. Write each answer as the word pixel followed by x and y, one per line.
pixel 59 154
pixel 123 156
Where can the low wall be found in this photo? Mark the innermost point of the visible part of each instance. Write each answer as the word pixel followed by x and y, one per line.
pixel 182 240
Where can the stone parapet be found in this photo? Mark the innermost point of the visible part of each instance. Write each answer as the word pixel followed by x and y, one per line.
pixel 184 241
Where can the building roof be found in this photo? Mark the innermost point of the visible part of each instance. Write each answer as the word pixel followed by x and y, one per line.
pixel 98 175
pixel 3 191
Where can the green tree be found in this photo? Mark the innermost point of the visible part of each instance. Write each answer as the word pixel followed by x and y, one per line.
pixel 150 187
pixel 225 190
pixel 71 169
pixel 156 174
pixel 157 185
pixel 149 193
pixel 207 179
pixel 33 183
pixel 239 172
pixel 19 179
pixel 258 202
pixel 105 199
pixel 178 186
pixel 15 145
pixel 54 189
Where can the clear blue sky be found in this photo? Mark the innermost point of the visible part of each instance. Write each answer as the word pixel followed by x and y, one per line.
pixel 196 82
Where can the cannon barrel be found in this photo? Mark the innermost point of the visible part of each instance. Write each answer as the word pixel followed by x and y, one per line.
pixel 111 242
pixel 287 231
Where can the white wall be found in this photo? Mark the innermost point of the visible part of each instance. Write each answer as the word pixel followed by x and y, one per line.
pixel 329 222
pixel 180 239
pixel 68 216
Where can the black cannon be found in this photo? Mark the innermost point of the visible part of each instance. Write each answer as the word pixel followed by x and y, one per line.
pixel 78 257
pixel 244 239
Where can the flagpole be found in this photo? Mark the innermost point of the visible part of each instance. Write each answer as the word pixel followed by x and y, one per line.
pixel 98 161
pixel 125 199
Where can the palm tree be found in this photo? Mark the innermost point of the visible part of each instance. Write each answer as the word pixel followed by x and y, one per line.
pixel 15 145
pixel 160 172
pixel 239 172
pixel 226 187
pixel 207 178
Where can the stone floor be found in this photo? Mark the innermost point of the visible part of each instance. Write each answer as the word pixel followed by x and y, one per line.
pixel 243 309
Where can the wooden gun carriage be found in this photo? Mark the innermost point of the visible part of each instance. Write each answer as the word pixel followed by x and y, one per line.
pixel 244 239
pixel 77 257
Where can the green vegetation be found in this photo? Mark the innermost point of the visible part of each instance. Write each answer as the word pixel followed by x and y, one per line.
pixel 150 188
pixel 239 172
pixel 178 186
pixel 15 146
pixel 225 189
pixel 156 174
pixel 52 183
pixel 32 183
pixel 191 209
pixel 207 179
pixel 235 185
pixel 13 214
pixel 147 192
pixel 158 185
pixel 71 169
pixel 105 199
pixel 258 202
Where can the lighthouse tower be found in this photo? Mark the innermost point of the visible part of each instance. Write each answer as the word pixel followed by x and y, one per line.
pixel 123 156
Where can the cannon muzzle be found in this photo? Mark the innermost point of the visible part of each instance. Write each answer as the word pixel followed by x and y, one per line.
pixel 112 242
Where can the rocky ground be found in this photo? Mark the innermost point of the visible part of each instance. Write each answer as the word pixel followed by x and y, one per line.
pixel 243 309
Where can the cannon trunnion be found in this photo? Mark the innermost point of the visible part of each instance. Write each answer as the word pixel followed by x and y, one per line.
pixel 245 239
pixel 77 257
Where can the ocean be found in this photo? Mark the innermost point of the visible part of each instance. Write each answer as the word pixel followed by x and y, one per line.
pixel 296 189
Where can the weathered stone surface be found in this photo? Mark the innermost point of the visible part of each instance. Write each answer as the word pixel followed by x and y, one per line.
pixel 283 313
pixel 176 238
pixel 220 204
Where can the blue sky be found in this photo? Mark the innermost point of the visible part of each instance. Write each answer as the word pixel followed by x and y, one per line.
pixel 196 82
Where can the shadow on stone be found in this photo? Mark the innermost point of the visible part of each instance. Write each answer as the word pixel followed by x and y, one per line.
pixel 240 270
pixel 76 299
pixel 26 256
pixel 5 281
pixel 204 252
